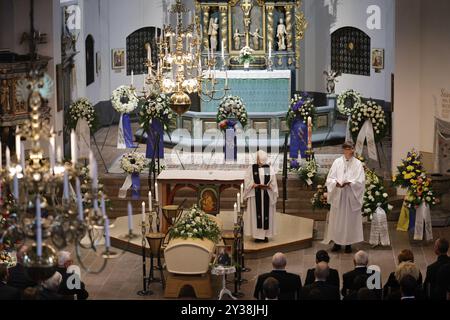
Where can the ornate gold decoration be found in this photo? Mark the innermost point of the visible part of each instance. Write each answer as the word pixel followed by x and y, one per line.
pixel 289 26
pixel 270 30
pixel 205 26
pixel 300 26
pixel 224 30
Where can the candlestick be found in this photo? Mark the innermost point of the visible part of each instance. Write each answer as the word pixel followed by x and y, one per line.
pixel 150 205
pixel 143 212
pixel 238 202
pixel 242 193
pixel 73 147
pixel 51 151
pixel 22 156
pixel 18 144
pixel 79 200
pixel 130 217
pixel 93 170
pixel 235 214
pixel 156 192
pixel 16 187
pixel 58 154
pixel 38 227
pixel 102 204
pixel 107 238
pixel 309 132
pixel 8 158
pixel 223 52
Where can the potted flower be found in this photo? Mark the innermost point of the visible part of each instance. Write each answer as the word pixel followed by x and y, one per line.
pixel 246 57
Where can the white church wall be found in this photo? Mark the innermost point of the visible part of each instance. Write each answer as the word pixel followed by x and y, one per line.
pixel 325 17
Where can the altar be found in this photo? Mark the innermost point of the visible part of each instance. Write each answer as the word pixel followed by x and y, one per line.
pixel 261 90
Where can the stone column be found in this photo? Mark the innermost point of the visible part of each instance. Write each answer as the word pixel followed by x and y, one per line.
pixel 205 27
pixel 224 26
pixel 289 23
pixel 270 38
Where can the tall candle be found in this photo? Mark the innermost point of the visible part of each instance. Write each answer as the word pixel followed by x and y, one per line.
pixel 16 187
pixel 223 50
pixel 58 154
pixel 22 156
pixel 242 193
pixel 38 227
pixel 309 132
pixel 150 205
pixel 18 145
pixel 107 238
pixel 93 170
pixel 238 202
pixel 130 216
pixel 51 151
pixel 270 49
pixel 66 186
pixel 73 147
pixel 156 192
pixel 143 212
pixel 235 214
pixel 79 199
pixel 132 78
pixel 8 158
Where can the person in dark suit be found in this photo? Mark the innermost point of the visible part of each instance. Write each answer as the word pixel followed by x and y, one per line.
pixel 7 292
pixel 64 262
pixel 360 260
pixel 17 275
pixel 333 277
pixel 431 284
pixel 391 290
pixel 443 283
pixel 408 288
pixel 290 284
pixel 320 289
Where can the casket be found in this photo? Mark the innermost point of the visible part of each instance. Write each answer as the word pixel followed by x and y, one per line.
pixel 190 256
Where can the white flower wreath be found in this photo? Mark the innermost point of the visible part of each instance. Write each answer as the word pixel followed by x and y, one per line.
pixel 81 109
pixel 368 111
pixel 231 107
pixel 133 162
pixel 124 99
pixel 345 98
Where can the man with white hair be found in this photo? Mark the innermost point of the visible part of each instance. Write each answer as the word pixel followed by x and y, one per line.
pixel 261 192
pixel 71 284
pixel 290 284
pixel 360 261
pixel 50 287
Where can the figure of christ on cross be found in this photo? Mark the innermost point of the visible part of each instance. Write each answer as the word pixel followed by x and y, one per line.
pixel 246 6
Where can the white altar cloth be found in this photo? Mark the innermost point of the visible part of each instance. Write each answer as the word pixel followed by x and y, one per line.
pixel 251 74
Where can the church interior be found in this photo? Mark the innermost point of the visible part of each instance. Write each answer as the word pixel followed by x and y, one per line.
pixel 224 150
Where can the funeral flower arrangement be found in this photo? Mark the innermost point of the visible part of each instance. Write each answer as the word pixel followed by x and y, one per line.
pixel 420 191
pixel 157 107
pixel 81 109
pixel 319 199
pixel 375 195
pixel 308 172
pixel 124 99
pixel 196 224
pixel 368 111
pixel 347 101
pixel 409 170
pixel 85 186
pixel 133 162
pixel 301 107
pixel 246 55
pixel 7 259
pixel 231 110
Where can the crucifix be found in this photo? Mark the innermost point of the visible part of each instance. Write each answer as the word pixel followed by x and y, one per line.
pixel 34 37
pixel 246 6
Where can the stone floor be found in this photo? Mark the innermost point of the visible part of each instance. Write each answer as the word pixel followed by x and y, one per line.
pixel 122 277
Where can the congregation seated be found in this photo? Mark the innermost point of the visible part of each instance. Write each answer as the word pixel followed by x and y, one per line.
pixel 271 288
pixel 391 289
pixel 431 285
pixel 64 262
pixel 408 288
pixel 333 277
pixel 443 283
pixel 50 287
pixel 360 261
pixel 30 293
pixel 320 289
pixel 7 292
pixel 290 284
pixel 17 275
pixel 406 269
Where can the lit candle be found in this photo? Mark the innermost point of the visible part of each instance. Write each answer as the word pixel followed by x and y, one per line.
pixel 17 144
pixel 8 158
pixel 132 78
pixel 156 192
pixel 270 49
pixel 309 132
pixel 93 170
pixel 150 205
pixel 107 238
pixel 235 214
pixel 58 154
pixel 130 216
pixel 79 200
pixel 223 50
pixel 143 212
pixel 22 156
pixel 38 227
pixel 238 202
pixel 242 192
pixel 66 186
pixel 51 151
pixel 73 147
pixel 16 187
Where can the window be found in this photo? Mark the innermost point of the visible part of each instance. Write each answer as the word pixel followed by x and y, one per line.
pixel 90 64
pixel 137 50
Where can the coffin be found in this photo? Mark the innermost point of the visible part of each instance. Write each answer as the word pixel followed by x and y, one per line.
pixel 190 256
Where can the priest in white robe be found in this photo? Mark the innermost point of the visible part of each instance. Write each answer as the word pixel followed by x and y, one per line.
pixel 261 192
pixel 345 184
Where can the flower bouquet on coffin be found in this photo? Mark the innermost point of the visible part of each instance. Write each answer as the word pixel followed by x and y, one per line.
pixel 368 122
pixel 308 172
pixel 155 117
pixel 133 163
pixel 246 57
pixel 231 111
pixel 301 108
pixel 124 101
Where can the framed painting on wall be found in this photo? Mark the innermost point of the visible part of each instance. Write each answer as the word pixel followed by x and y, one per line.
pixel 118 58
pixel 208 199
pixel 378 59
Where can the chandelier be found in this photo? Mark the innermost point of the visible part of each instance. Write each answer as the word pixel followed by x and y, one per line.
pixel 180 71
pixel 40 209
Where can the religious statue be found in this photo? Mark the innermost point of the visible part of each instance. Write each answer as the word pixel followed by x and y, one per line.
pixel 247 6
pixel 281 35
pixel 213 32
pixel 4 97
pixel 256 36
pixel 237 39
pixel 331 80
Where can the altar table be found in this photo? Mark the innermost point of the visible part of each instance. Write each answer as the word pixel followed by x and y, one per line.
pixel 170 181
pixel 261 91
